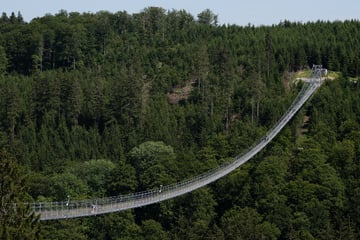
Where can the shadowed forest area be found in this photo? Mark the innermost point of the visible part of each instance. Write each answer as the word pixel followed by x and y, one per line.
pixel 103 104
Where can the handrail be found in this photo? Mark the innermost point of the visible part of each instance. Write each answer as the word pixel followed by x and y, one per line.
pixel 91 207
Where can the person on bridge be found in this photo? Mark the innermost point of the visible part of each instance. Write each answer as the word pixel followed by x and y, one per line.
pixel 93 208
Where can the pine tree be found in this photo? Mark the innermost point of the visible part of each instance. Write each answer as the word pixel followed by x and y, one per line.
pixel 16 219
pixel 3 61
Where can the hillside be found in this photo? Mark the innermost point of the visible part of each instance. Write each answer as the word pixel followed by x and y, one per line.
pixel 103 104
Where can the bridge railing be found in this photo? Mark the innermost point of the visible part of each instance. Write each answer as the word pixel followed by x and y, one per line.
pixel 79 208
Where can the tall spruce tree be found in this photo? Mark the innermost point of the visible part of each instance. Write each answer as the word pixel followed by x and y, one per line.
pixel 16 219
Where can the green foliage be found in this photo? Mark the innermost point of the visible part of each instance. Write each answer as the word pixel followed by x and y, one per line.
pixel 94 174
pixel 97 104
pixel 114 226
pixel 207 17
pixel 246 223
pixel 64 229
pixel 150 153
pixel 122 180
pixel 16 219
pixel 153 230
pixel 3 61
pixel 67 184
pixel 154 161
pixel 197 214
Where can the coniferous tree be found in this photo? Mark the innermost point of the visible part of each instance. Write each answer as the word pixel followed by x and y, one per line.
pixel 3 61
pixel 17 221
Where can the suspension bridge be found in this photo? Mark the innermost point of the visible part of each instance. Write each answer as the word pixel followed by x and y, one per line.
pixel 93 207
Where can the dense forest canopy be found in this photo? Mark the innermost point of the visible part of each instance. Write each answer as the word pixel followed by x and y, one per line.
pixel 101 104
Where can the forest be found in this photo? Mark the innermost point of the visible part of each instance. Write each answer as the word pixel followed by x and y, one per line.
pixel 104 104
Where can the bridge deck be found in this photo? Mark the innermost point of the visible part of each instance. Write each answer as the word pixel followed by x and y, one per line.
pixel 91 207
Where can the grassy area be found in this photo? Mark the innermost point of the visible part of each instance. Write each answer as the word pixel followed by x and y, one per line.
pixel 333 75
pixel 307 74
pixel 302 74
